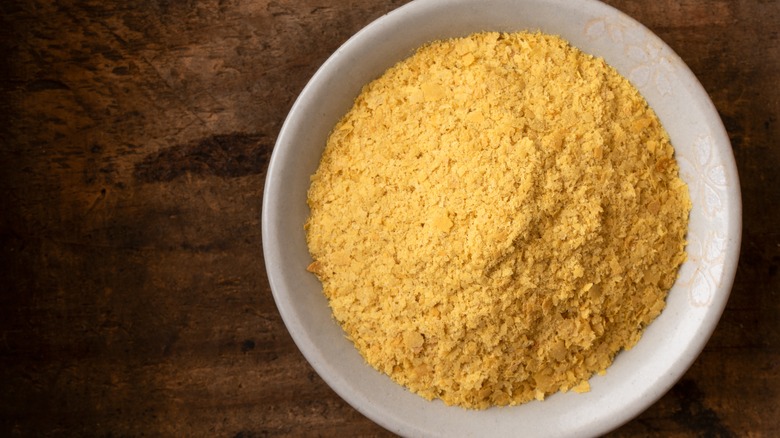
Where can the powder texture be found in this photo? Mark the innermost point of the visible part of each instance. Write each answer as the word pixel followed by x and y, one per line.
pixel 495 218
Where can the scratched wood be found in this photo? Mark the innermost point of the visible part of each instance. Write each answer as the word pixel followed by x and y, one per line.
pixel 134 139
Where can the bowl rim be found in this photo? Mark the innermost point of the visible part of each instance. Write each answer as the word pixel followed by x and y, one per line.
pixel 272 243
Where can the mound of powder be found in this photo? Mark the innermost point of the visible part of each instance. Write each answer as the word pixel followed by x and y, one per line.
pixel 495 218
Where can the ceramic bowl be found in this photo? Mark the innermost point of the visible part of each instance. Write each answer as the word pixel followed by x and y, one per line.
pixel 669 345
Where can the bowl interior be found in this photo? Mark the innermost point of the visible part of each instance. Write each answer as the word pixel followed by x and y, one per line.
pixel 669 345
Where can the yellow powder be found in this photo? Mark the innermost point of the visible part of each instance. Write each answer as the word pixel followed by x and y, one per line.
pixel 495 218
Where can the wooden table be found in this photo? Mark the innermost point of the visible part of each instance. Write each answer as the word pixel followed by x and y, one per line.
pixel 134 142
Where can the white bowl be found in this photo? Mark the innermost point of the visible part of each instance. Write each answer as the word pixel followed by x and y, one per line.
pixel 669 345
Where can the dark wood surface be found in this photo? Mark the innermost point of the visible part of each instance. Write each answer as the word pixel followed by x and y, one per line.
pixel 134 142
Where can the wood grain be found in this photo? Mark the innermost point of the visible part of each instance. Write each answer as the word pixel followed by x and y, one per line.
pixel 134 138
